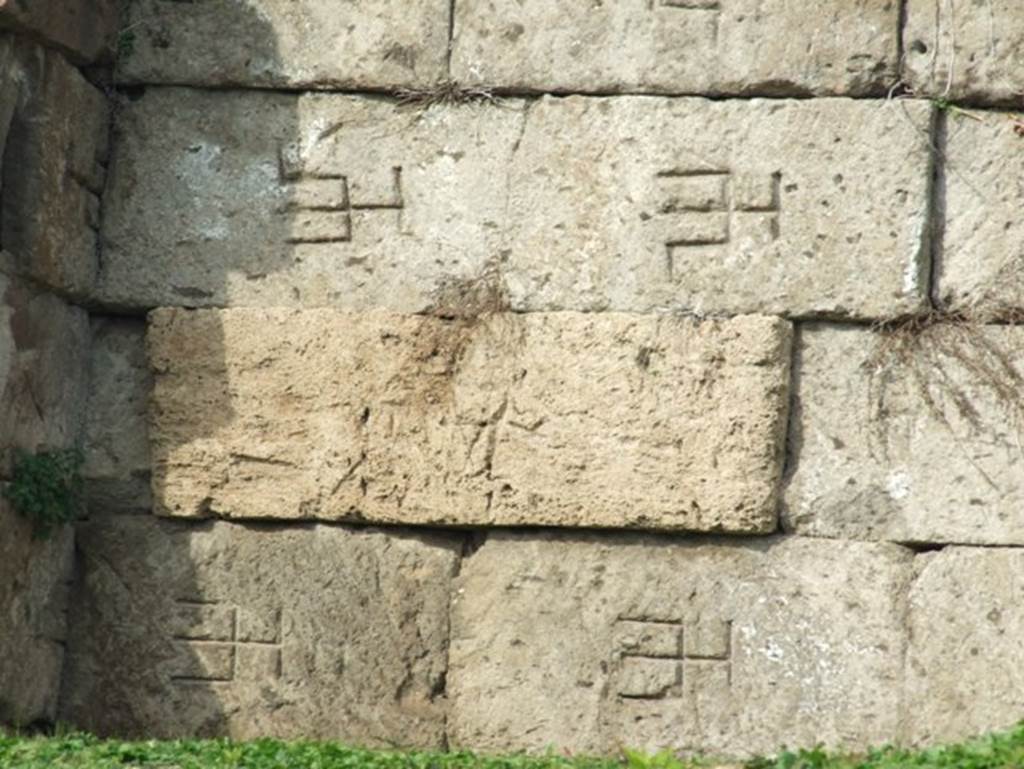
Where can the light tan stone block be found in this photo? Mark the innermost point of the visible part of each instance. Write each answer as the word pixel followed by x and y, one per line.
pixel 965 50
pixel 916 440
pixel 966 625
pixel 633 204
pixel 562 641
pixel 311 632
pixel 678 46
pixel 544 419
pixel 288 43
pixel 980 267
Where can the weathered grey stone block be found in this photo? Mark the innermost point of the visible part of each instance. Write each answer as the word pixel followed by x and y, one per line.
pixel 965 50
pixel 966 625
pixel 44 354
pixel 980 268
pixel 117 464
pixel 83 29
pixel 679 46
pixel 288 43
pixel 631 204
pixel 52 168
pixel 34 576
pixel 914 439
pixel 562 419
pixel 230 630
pixel 590 643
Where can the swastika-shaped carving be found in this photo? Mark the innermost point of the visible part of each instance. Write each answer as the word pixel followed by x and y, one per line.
pixel 320 206
pixel 653 657
pixel 220 643
pixel 712 208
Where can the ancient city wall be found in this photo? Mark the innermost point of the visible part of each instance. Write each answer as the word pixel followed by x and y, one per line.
pixel 508 373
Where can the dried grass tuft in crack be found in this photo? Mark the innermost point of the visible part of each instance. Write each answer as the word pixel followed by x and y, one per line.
pixel 447 93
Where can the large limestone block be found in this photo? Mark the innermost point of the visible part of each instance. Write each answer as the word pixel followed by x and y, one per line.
pixel 913 439
pixel 52 169
pixel 782 207
pixel 312 632
pixel 679 46
pixel 117 464
pixel 561 419
pixel 251 198
pixel 631 203
pixel 591 643
pixel 44 355
pixel 980 267
pixel 34 576
pixel 82 29
pixel 966 625
pixel 965 50
pixel 287 43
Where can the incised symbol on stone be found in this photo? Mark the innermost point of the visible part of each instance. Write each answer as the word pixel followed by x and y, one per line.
pixel 654 656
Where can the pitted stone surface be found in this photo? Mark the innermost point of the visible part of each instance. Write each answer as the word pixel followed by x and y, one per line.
pixel 590 643
pixel 981 264
pixel 55 124
pixel 249 632
pixel 911 443
pixel 965 50
pixel 966 624
pixel 632 204
pixel 553 419
pixel 678 46
pixel 82 29
pixel 117 464
pixel 288 43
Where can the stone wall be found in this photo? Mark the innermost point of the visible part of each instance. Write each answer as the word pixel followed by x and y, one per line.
pixel 53 153
pixel 502 374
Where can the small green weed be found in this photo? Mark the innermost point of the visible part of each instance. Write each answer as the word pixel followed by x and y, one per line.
pixel 46 488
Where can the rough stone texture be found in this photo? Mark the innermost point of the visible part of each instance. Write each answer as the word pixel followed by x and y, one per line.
pixel 117 464
pixel 82 29
pixel 981 263
pixel 965 50
pixel 874 460
pixel 631 204
pixel 553 419
pixel 679 46
pixel 213 200
pixel 288 43
pixel 597 642
pixel 966 622
pixel 229 630
pixel 33 598
pixel 44 352
pixel 52 169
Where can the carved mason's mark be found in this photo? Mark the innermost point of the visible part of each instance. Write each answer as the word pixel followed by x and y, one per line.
pixel 654 657
pixel 709 10
pixel 320 206
pixel 222 643
pixel 716 207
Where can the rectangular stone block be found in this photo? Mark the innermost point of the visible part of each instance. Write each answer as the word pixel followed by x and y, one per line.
pixel 562 419
pixel 53 166
pixel 350 641
pixel 965 50
pixel 793 642
pixel 910 436
pixel 632 204
pixel 966 625
pixel 44 356
pixel 117 461
pixel 287 43
pixel 84 30
pixel 679 46
pixel 980 266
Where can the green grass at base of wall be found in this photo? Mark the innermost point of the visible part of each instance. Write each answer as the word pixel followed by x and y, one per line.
pixel 1004 750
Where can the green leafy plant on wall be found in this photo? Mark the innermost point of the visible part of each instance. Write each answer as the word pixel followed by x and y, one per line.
pixel 46 488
